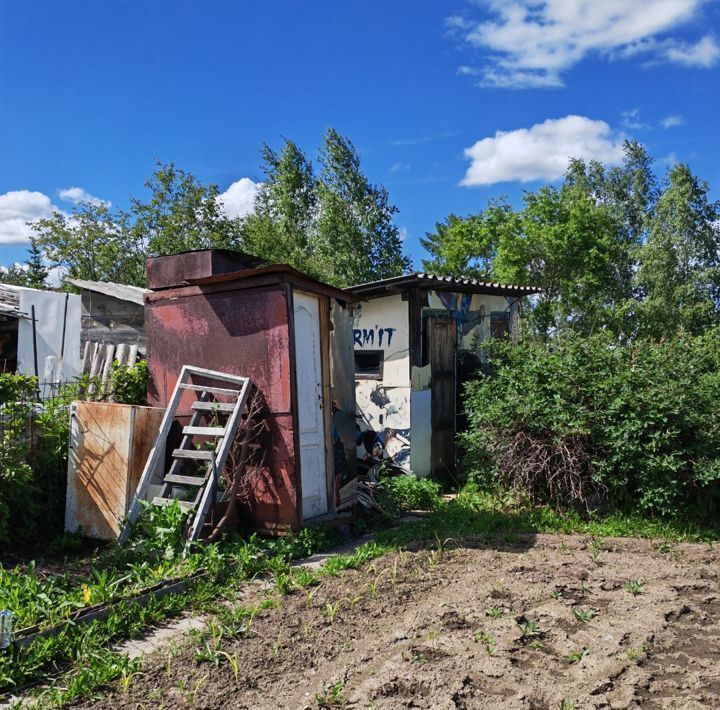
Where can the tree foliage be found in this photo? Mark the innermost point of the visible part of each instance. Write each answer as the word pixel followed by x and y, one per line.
pixel 335 225
pixel 610 249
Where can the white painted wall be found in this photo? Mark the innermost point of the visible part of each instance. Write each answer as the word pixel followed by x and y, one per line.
pixel 383 406
pixel 402 400
pixel 49 315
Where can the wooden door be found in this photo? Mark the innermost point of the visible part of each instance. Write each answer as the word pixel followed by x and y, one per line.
pixel 310 419
pixel 442 349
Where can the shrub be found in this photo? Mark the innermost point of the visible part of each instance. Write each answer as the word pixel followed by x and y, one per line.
pixel 128 384
pixel 410 492
pixel 33 459
pixel 637 424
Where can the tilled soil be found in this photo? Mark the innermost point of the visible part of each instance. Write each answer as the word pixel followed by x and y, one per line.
pixel 479 625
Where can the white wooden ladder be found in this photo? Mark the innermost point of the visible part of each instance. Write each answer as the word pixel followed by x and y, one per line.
pixel 205 445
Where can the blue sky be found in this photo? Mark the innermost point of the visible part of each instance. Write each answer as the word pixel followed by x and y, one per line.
pixel 91 93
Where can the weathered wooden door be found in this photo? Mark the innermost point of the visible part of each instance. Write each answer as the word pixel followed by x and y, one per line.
pixel 442 350
pixel 308 371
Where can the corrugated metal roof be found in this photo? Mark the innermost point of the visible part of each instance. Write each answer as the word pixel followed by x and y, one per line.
pixel 446 283
pixel 10 302
pixel 123 292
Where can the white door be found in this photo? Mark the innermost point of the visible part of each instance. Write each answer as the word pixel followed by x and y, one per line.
pixel 308 371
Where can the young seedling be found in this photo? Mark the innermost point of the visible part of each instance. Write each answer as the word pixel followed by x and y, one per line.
pixel 536 645
pixel 331 610
pixel 584 615
pixel 494 612
pixel 557 594
pixel 596 547
pixel 634 587
pixel 577 656
pixel 487 641
pixel 567 704
pixel 127 678
pixel 331 696
pixel 529 629
pixel 234 664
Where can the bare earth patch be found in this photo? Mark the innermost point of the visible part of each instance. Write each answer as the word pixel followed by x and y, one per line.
pixel 544 622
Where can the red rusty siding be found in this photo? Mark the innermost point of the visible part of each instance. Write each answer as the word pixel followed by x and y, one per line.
pixel 243 332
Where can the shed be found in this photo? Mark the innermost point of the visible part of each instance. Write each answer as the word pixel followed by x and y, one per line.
pixel 417 339
pixel 40 334
pixel 112 314
pixel 292 336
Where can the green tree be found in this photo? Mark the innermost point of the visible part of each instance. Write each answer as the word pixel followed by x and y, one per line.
pixel 32 274
pixel 357 240
pixel 679 265
pixel 281 229
pixel 93 243
pixel 182 214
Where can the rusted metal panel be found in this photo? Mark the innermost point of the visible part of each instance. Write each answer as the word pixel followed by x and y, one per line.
pixel 179 269
pixel 244 333
pixel 109 444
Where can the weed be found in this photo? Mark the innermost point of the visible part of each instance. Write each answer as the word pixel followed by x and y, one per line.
pixel 596 547
pixel 126 678
pixel 666 548
pixel 556 594
pixel 536 645
pixel 494 612
pixel 634 587
pixel 584 615
pixel 577 656
pixel 567 704
pixel 304 578
pixel 331 696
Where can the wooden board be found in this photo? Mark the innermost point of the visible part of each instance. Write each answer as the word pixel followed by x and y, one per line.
pixel 442 350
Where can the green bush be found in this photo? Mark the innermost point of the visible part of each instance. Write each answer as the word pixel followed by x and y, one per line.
pixel 589 420
pixel 411 493
pixel 33 459
pixel 128 385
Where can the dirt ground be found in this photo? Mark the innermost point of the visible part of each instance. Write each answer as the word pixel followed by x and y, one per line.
pixel 480 625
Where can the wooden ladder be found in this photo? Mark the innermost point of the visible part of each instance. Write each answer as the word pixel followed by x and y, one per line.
pixel 176 485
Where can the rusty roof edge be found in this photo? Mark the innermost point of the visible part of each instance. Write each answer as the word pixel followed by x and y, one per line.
pixel 284 269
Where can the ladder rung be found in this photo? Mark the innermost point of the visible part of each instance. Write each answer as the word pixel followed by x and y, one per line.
pixel 211 390
pixel 204 430
pixel 197 454
pixel 212 406
pixel 169 501
pixel 185 480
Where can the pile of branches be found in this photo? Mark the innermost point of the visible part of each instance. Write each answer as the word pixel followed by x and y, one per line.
pixel 548 467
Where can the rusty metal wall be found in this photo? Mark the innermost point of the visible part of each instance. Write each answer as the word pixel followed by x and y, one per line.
pixel 244 332
pixel 109 444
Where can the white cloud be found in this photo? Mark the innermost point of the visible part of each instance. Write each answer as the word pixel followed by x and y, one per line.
pixel 541 152
pixel 532 43
pixel 16 209
pixel 76 195
pixel 403 233
pixel 631 120
pixel 672 121
pixel 239 199
pixel 704 53
pixel 399 167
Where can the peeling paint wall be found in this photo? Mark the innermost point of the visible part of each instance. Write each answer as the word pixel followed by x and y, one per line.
pixel 383 405
pixel 395 409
